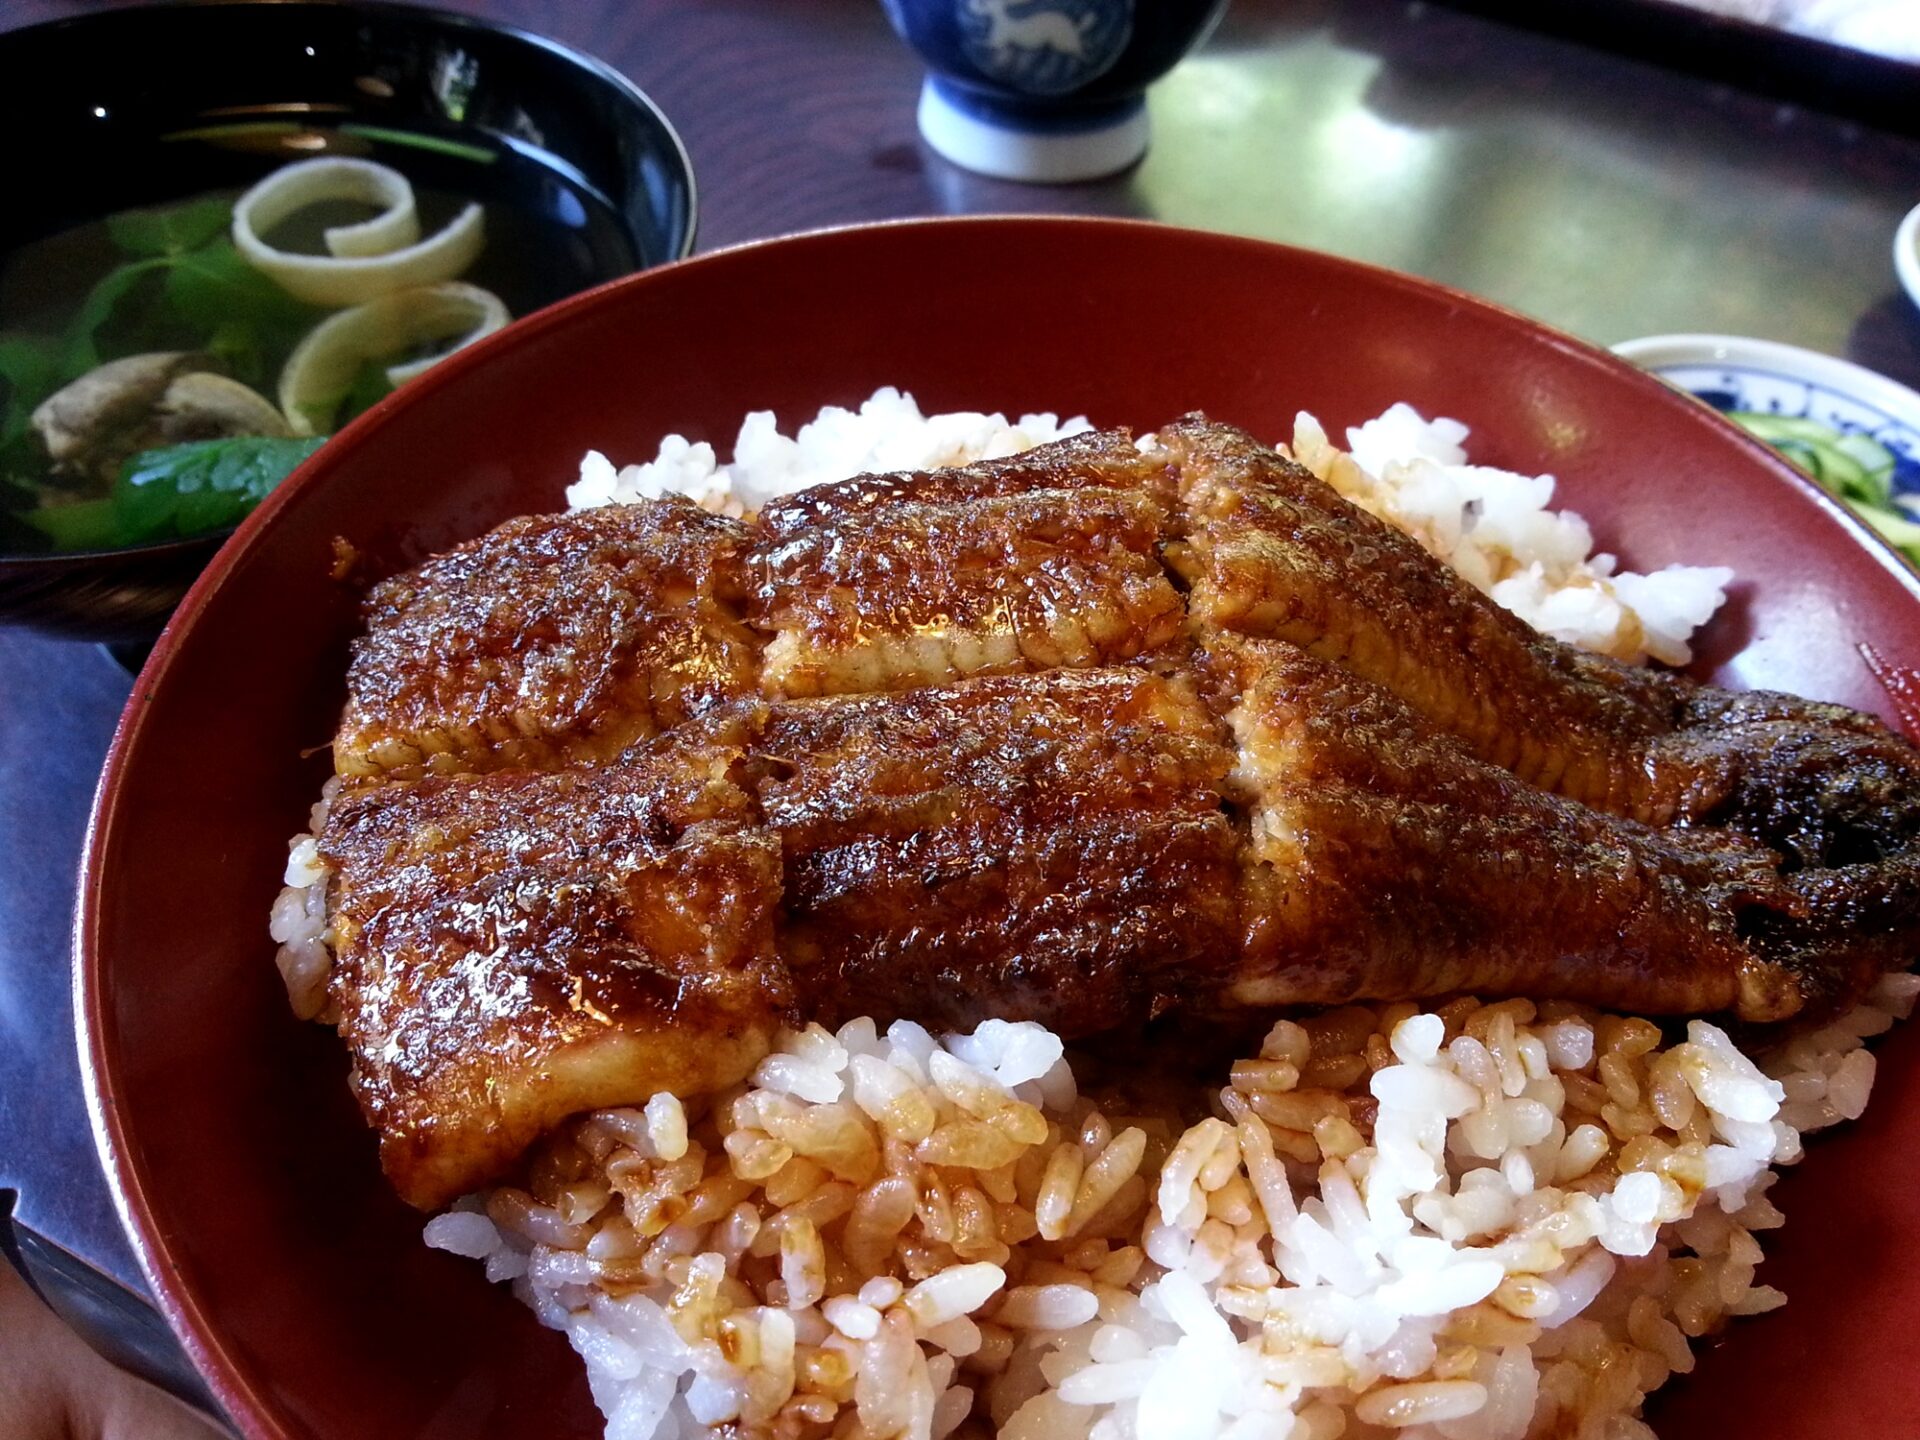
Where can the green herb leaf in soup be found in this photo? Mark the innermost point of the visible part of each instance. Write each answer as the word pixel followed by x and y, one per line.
pixel 85 525
pixel 83 348
pixel 30 371
pixel 248 319
pixel 205 485
pixel 170 229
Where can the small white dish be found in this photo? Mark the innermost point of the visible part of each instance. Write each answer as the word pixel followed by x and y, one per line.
pixel 1906 254
pixel 1732 372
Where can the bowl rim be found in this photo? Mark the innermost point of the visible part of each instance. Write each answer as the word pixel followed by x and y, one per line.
pixel 1898 402
pixel 125 1177
pixel 590 64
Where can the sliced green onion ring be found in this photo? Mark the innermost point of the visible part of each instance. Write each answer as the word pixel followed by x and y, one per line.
pixel 373 258
pixel 321 370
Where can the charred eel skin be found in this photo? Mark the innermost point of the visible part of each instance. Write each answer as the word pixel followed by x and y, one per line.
pixel 1085 735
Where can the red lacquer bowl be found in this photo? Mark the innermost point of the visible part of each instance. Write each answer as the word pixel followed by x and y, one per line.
pixel 296 1279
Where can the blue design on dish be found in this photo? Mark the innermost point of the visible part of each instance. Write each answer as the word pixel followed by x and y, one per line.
pixel 1766 392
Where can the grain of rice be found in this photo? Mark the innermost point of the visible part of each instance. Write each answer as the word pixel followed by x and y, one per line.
pixel 968 1145
pixel 951 1411
pixel 1850 1084
pixel 755 1155
pixel 1180 1174
pixel 960 1337
pixel 851 1317
pixel 803 1263
pixel 1411 1087
pixel 955 1291
pixel 1100 1182
pixel 1759 1300
pixel 791 1075
pixel 1427 1403
pixel 1287 1040
pixel 462 1233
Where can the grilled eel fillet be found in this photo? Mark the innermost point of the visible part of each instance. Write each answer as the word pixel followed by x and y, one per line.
pixel 518 946
pixel 556 638
pixel 1078 736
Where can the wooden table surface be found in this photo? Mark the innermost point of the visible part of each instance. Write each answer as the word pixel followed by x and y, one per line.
pixel 1608 197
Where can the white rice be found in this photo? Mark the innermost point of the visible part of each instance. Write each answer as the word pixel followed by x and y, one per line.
pixel 1499 1221
pixel 298 921
pixel 1496 529
pixel 1466 1221
pixel 887 433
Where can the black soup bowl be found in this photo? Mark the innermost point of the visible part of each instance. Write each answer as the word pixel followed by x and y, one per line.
pixel 581 176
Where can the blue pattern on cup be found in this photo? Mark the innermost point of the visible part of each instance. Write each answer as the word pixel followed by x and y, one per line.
pixel 1044 47
pixel 1046 56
